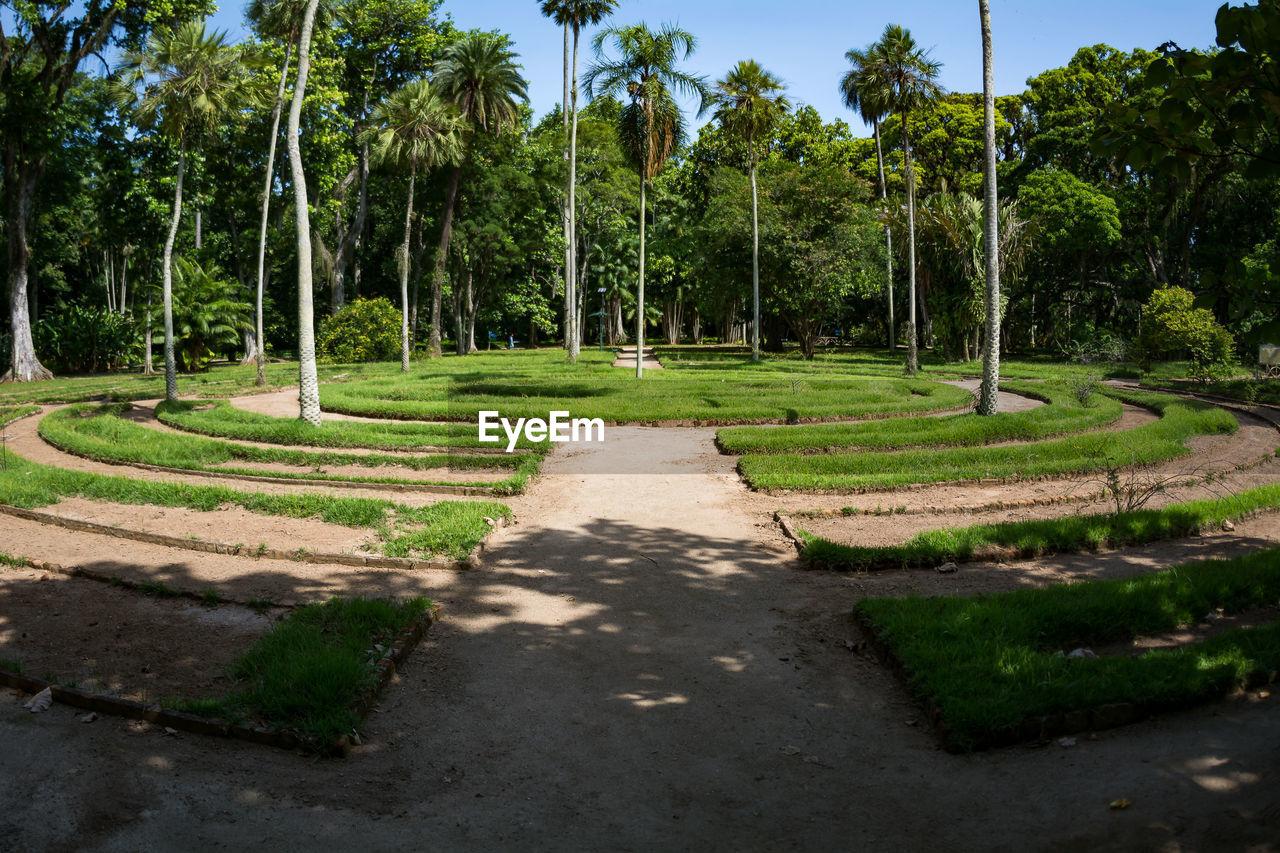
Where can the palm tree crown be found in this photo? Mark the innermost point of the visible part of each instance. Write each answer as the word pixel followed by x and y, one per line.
pixel 863 90
pixel 749 101
pixel 480 75
pixel 900 71
pixel 578 13
pixel 415 127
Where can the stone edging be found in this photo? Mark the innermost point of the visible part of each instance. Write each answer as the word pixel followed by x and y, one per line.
pixel 284 738
pixel 1037 727
pixel 471 561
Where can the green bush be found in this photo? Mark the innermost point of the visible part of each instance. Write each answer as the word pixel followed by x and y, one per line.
pixel 85 339
pixel 1172 324
pixel 365 330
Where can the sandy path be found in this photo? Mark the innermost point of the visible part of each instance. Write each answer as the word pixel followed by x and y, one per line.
pixel 646 669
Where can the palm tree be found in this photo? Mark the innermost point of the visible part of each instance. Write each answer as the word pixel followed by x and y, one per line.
pixel 905 73
pixel 574 15
pixel 186 84
pixel 864 93
pixel 651 126
pixel 414 127
pixel 750 101
pixel 480 76
pixel 308 381
pixel 988 401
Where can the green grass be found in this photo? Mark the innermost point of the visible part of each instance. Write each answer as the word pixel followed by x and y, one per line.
pixel 1063 415
pixel 98 431
pixel 1250 391
pixel 448 529
pixel 218 381
pixel 866 471
pixel 308 672
pixel 220 419
pixel 1030 538
pixel 11 413
pixel 990 662
pixel 532 384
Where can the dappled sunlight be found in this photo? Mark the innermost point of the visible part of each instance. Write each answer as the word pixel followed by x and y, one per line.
pixel 1219 774
pixel 653 699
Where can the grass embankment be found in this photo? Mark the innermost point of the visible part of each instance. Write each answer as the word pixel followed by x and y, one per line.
pixel 98 431
pixel 310 671
pixel 532 384
pixel 1032 538
pixel 223 380
pixel 984 665
pixel 1248 391
pixel 10 413
pixel 1063 414
pixel 220 419
pixel 867 471
pixel 448 529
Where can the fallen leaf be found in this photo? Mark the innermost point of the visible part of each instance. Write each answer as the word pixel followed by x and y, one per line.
pixel 89 717
pixel 1117 805
pixel 40 702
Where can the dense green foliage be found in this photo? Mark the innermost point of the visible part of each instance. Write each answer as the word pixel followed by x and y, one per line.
pixel 366 330
pixel 86 339
pixel 989 662
pixel 1172 324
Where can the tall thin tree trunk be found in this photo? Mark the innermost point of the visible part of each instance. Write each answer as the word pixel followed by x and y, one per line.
pixel 640 291
pixel 988 403
pixel 755 259
pixel 575 343
pixel 170 362
pixel 23 364
pixel 442 255
pixel 913 359
pixel 308 381
pixel 266 205
pixel 888 239
pixel 124 278
pixel 148 368
pixel 404 274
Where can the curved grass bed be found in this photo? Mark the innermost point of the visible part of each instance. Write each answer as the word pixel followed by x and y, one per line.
pixel 11 413
pixel 987 665
pixel 867 471
pixel 98 432
pixel 1032 538
pixel 220 419
pixel 447 529
pixel 1064 414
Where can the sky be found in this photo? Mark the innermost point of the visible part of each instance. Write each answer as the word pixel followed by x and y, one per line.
pixel 804 41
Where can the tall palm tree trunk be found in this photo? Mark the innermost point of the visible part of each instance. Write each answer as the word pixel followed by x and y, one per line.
pixel 575 342
pixel 566 213
pixel 755 263
pixel 266 204
pixel 170 362
pixel 442 256
pixel 640 291
pixel 404 274
pixel 308 381
pixel 888 239
pixel 913 359
pixel 988 402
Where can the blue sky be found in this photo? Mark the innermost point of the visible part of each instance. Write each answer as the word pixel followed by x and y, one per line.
pixel 803 41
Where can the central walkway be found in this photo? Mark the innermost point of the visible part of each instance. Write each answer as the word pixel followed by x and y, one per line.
pixel 627 358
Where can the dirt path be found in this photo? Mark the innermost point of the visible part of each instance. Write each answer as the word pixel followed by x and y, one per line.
pixel 645 668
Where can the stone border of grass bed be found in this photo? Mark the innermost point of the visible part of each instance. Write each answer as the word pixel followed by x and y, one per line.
pixel 300 555
pixel 283 738
pixel 987 674
pixel 1023 539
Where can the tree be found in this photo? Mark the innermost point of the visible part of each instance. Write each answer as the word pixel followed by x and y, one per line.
pixel 989 400
pixel 207 315
pixel 308 381
pixel 480 76
pixel 415 127
pixel 39 64
pixel 749 101
pixel 903 70
pixel 573 15
pixel 186 84
pixel 650 126
pixel 867 93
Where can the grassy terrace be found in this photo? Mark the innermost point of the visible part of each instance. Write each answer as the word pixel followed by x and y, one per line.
pixel 1065 414
pixel 219 381
pixel 1031 538
pixel 220 419
pixel 1251 391
pixel 989 663
pixel 100 433
pixel 531 384
pixel 308 673
pixel 865 471
pixel 448 529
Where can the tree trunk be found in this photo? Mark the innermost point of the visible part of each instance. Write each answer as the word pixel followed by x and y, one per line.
pixel 147 367
pixel 442 255
pixel 755 259
pixel 913 360
pixel 471 315
pixel 170 362
pixel 640 291
pixel 888 239
pixel 988 401
pixel 404 274
pixel 266 207
pixel 575 344
pixel 20 189
pixel 308 381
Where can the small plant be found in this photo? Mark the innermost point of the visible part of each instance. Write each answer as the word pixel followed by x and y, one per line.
pixel 258 605
pixel 210 598
pixel 1083 389
pixel 156 589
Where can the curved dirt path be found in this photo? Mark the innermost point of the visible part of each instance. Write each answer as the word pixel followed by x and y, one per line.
pixel 645 668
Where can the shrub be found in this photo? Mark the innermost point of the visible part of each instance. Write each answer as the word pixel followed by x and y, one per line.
pixel 1097 346
pixel 365 330
pixel 85 339
pixel 1172 324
